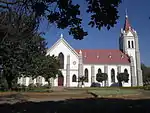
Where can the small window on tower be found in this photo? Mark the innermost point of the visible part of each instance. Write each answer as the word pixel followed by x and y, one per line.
pixel 129 44
pixel 132 44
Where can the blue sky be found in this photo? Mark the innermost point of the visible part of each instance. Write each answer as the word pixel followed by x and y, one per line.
pixel 138 13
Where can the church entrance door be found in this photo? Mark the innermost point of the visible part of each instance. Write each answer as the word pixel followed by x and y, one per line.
pixel 60 80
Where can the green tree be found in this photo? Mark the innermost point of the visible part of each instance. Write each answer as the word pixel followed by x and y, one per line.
pixel 11 61
pixel 66 14
pixel 16 27
pixel 27 59
pixel 146 74
pixel 100 77
pixel 47 67
pixel 122 77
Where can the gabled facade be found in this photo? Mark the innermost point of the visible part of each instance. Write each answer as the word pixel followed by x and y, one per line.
pixel 76 63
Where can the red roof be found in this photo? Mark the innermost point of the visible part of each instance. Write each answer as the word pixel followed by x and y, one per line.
pixel 104 57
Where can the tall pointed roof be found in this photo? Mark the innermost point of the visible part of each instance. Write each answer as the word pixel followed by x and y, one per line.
pixel 127 25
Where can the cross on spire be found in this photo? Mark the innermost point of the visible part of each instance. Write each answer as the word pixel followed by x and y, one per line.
pixel 61 36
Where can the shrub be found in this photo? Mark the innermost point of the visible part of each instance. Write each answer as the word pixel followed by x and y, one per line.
pixel 31 86
pixel 38 85
pixel 122 77
pixel 3 85
pixel 95 84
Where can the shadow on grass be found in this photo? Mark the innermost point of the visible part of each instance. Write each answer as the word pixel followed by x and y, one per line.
pixel 80 106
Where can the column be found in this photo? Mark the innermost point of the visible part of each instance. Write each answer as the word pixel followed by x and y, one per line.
pixel 138 63
pixel 68 72
pixel 80 68
pixel 92 74
pixel 133 77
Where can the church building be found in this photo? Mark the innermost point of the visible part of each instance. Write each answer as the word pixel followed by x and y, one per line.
pixel 76 63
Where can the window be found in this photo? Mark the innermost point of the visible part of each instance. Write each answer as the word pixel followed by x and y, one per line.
pixel 99 70
pixel 125 71
pixel 132 44
pixel 74 78
pixel 86 75
pixel 61 60
pixel 112 75
pixel 129 44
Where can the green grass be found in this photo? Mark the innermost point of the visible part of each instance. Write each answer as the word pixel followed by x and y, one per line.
pixel 107 91
pixel 114 92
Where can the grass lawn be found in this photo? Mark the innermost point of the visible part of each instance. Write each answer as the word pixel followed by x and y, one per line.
pixel 104 92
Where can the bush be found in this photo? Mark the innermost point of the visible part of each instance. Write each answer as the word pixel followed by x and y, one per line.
pixel 147 87
pixel 46 86
pixel 3 85
pixel 38 85
pixel 31 86
pixel 95 84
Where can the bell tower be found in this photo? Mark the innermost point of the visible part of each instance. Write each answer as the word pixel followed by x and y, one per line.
pixel 128 43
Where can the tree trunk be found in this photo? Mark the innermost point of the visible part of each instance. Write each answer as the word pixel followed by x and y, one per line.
pixel 9 85
pixel 9 81
pixel 49 84
pixel 105 83
pixel 120 84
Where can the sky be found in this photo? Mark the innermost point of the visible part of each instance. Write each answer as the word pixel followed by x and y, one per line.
pixel 138 14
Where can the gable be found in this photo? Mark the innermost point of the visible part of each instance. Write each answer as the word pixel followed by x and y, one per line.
pixel 130 34
pixel 61 46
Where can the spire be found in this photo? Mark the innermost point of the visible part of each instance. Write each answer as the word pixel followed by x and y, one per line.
pixel 127 25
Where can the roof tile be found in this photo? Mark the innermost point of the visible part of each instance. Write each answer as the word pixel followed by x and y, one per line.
pixel 104 57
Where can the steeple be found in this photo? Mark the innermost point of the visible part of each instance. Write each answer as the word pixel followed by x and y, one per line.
pixel 127 25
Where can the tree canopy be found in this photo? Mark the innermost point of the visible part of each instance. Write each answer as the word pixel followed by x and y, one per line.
pixel 66 14
pixel 146 74
pixel 25 57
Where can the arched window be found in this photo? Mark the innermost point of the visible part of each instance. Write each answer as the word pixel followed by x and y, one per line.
pixel 125 71
pixel 132 44
pixel 99 70
pixel 129 44
pixel 74 78
pixel 86 75
pixel 61 59
pixel 112 75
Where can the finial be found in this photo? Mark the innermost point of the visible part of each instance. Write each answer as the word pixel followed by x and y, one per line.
pixel 80 52
pixel 61 36
pixel 126 13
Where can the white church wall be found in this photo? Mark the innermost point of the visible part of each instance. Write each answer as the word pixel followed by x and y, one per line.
pixel 61 47
pixel 19 81
pixel 26 81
